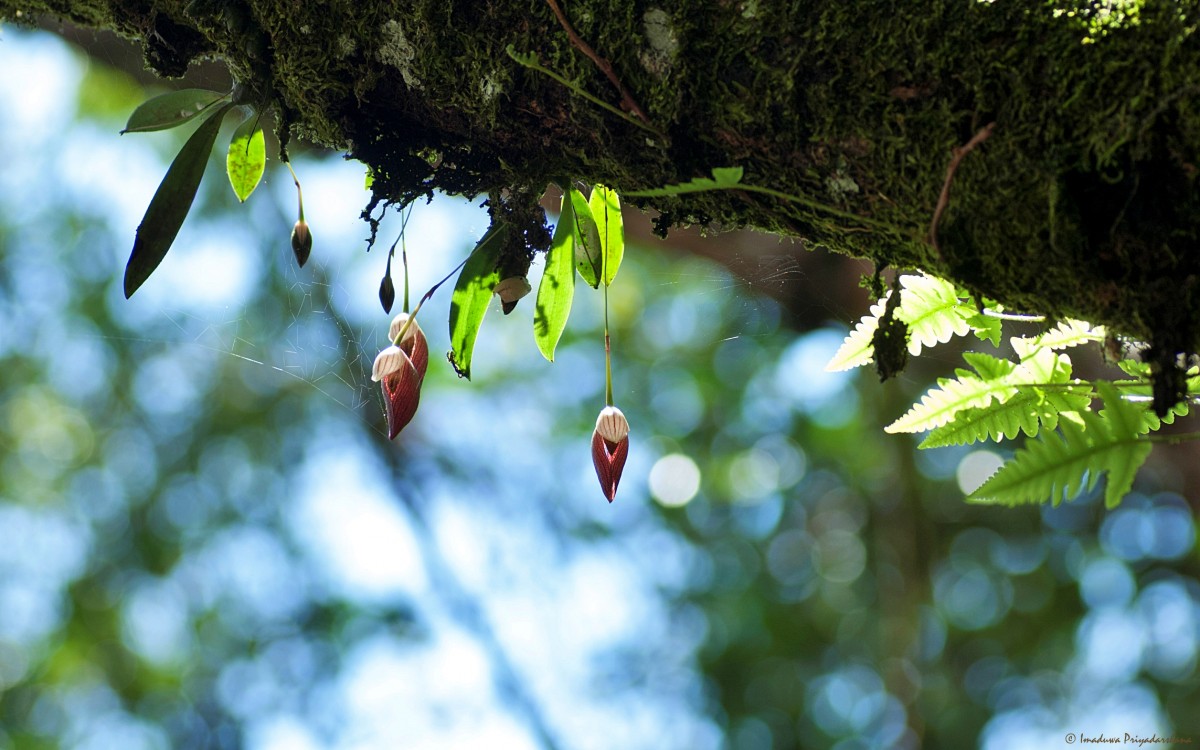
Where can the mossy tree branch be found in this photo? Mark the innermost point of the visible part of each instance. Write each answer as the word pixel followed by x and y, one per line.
pixel 1082 202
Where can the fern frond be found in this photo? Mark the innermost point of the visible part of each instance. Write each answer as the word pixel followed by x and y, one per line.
pixel 1070 333
pixel 940 405
pixel 857 350
pixel 998 380
pixel 986 327
pixel 1061 464
pixel 933 311
pixel 1030 410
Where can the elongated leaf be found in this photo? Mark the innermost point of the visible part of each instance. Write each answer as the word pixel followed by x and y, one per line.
pixel 606 211
pixel 171 203
pixel 587 239
pixel 556 292
pixel 472 294
pixel 171 110
pixel 247 158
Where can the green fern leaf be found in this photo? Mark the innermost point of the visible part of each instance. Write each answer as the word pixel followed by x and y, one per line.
pixel 857 350
pixel 940 405
pixel 986 327
pixel 1151 421
pixel 1029 411
pixel 1135 369
pixel 1061 464
pixel 933 311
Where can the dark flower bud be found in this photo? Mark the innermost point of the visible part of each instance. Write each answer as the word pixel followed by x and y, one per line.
pixel 301 242
pixel 387 293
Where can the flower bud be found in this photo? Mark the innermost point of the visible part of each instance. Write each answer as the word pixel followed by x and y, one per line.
pixel 387 293
pixel 301 241
pixel 401 369
pixel 511 290
pixel 610 448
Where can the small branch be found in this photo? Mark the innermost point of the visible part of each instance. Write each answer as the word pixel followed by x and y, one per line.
pixel 944 199
pixel 627 102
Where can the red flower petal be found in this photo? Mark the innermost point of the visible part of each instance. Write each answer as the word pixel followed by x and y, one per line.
pixel 401 395
pixel 609 460
pixel 417 349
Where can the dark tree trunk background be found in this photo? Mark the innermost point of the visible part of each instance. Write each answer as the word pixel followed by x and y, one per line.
pixel 1074 125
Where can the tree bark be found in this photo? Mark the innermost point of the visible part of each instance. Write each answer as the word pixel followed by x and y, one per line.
pixel 1041 154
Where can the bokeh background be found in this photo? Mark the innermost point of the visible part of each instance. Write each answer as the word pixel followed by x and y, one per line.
pixel 206 540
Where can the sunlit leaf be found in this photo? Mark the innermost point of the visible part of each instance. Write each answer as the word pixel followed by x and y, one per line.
pixel 171 203
pixel 606 211
pixel 556 291
pixel 247 158
pixel 170 110
pixel 587 239
pixel 1062 464
pixel 472 294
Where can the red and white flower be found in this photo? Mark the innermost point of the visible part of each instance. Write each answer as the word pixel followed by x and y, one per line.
pixel 610 448
pixel 401 368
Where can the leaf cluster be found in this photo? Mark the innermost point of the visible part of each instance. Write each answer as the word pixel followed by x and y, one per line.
pixel 245 163
pixel 1068 445
pixel 589 241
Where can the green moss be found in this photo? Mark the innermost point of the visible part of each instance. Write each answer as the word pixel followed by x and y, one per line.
pixel 1081 203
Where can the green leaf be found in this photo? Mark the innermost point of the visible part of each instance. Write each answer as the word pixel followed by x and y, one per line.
pixel 171 110
pixel 857 350
pixel 933 310
pixel 171 203
pixel 986 327
pixel 587 239
pixel 1066 334
pixel 247 158
pixel 605 206
pixel 472 295
pixel 723 178
pixel 1061 464
pixel 940 405
pixel 556 292
pixel 1001 400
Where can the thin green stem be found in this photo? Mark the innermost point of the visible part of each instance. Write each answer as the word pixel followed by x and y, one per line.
pixel 299 193
pixel 808 202
pixel 408 323
pixel 1013 316
pixel 608 389
pixel 1182 437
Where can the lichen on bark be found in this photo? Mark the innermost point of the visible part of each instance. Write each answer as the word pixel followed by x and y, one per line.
pixel 1081 203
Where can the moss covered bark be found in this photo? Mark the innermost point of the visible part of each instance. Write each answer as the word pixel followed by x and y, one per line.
pixel 1082 202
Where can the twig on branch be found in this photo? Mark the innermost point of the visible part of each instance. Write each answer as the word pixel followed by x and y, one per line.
pixel 944 199
pixel 627 102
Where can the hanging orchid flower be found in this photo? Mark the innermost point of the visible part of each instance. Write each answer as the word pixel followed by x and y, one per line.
pixel 401 369
pixel 610 448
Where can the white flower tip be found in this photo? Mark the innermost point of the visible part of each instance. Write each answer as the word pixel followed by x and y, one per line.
pixel 612 425
pixel 513 288
pixel 398 323
pixel 386 362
